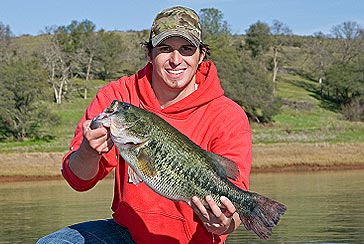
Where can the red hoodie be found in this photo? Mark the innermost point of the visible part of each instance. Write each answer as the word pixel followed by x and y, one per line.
pixel 206 116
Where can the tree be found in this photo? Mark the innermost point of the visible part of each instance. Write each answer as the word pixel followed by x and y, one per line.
pixel 87 51
pixel 111 54
pixel 78 40
pixel 280 33
pixel 7 48
pixel 319 56
pixel 213 23
pixel 23 90
pixel 345 86
pixel 344 76
pixel 344 82
pixel 258 39
pixel 244 80
pixel 5 32
pixel 56 65
pixel 247 82
pixel 70 53
pixel 350 36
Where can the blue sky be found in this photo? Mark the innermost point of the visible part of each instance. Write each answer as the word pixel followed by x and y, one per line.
pixel 303 17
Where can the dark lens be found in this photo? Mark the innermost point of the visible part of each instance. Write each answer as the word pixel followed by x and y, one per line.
pixel 164 49
pixel 187 50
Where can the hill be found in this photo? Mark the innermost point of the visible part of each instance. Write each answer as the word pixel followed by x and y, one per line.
pixel 305 118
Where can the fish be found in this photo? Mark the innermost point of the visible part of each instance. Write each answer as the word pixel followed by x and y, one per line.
pixel 175 167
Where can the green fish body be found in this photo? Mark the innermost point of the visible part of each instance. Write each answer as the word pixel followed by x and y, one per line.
pixel 178 169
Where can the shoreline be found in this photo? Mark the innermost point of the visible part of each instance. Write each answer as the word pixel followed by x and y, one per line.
pixel 255 170
pixel 267 158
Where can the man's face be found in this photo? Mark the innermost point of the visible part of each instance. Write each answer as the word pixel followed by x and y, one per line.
pixel 175 62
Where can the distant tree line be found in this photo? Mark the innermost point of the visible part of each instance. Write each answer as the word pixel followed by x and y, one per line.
pixel 43 68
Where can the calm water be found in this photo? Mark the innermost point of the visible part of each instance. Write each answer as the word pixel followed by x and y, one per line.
pixel 323 207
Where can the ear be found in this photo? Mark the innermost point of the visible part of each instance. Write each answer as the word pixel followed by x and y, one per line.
pixel 202 55
pixel 148 55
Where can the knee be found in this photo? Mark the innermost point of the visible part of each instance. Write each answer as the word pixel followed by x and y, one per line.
pixel 47 239
pixel 65 235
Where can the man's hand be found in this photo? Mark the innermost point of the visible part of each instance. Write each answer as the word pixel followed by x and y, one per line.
pixel 215 219
pixel 98 140
pixel 85 161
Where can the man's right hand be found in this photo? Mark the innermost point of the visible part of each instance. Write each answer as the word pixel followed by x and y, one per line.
pixel 84 162
pixel 97 140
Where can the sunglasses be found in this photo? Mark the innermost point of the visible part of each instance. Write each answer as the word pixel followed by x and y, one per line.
pixel 185 50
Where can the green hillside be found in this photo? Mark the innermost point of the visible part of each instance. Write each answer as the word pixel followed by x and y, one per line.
pixel 304 118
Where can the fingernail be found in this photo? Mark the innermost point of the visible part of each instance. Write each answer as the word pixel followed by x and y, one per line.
pixel 223 198
pixel 208 198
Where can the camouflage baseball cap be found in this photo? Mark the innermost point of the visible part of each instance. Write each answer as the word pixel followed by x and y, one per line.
pixel 176 21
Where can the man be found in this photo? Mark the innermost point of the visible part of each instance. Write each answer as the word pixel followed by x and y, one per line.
pixel 180 87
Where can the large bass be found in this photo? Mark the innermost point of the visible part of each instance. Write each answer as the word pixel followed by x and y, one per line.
pixel 177 168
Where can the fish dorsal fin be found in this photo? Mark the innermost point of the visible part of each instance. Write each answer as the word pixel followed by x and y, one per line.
pixel 145 166
pixel 226 167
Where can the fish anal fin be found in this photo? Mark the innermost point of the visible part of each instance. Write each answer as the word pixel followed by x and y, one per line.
pixel 145 166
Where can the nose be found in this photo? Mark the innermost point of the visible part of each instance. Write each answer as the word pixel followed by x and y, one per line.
pixel 175 58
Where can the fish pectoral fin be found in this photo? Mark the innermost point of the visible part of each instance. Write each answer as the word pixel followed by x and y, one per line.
pixel 133 176
pixel 145 165
pixel 230 169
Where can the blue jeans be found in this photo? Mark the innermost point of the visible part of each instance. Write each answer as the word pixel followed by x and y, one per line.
pixel 99 231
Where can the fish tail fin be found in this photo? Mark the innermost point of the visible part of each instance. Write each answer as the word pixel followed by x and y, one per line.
pixel 263 217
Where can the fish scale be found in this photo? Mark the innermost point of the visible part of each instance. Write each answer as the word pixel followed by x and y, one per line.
pixel 176 168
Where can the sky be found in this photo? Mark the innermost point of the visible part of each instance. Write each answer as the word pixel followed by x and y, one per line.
pixel 303 17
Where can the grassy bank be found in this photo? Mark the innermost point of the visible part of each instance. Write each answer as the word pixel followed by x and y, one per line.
pixel 266 158
pixel 298 156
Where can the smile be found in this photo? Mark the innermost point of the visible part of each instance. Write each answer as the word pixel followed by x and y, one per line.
pixel 175 72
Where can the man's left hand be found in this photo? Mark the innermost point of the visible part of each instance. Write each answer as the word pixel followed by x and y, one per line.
pixel 215 219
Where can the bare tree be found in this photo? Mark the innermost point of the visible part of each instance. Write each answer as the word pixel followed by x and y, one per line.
pixel 320 55
pixel 57 69
pixel 278 30
pixel 351 40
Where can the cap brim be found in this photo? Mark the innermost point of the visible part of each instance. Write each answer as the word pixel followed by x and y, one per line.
pixel 179 33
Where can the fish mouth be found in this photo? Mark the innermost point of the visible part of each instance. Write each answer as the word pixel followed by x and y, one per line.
pixel 103 119
pixel 125 143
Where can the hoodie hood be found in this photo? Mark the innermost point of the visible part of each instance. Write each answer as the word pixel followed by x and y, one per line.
pixel 209 88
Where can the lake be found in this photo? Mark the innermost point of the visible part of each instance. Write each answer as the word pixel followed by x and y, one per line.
pixel 323 207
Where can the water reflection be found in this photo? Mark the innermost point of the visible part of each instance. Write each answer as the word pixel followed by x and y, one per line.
pixel 323 207
pixel 29 210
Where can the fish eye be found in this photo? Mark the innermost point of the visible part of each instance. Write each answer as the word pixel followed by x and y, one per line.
pixel 125 106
